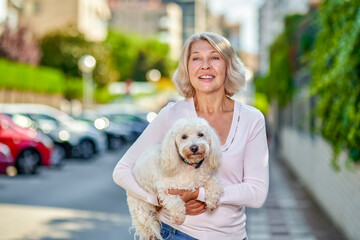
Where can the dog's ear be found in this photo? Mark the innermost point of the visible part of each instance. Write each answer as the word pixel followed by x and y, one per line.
pixel 215 150
pixel 170 161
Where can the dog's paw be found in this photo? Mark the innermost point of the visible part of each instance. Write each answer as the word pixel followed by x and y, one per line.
pixel 211 207
pixel 211 204
pixel 178 219
pixel 152 237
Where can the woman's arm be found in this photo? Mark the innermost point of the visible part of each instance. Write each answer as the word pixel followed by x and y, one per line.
pixel 253 189
pixel 152 135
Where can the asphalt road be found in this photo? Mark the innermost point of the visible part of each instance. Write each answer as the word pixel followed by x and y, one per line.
pixel 81 202
pixel 78 201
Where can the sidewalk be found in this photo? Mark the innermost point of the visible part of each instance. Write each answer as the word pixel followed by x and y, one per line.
pixel 289 212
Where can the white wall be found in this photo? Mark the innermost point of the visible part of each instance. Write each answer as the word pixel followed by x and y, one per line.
pixel 92 19
pixel 338 193
pixel 3 10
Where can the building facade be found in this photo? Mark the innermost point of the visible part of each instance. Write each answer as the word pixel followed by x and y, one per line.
pixel 195 15
pixel 43 16
pixel 150 18
pixel 272 14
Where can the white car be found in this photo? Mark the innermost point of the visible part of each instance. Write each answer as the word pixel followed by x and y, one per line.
pixel 78 138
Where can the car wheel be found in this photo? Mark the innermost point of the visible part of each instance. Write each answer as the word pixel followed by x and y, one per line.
pixel 28 161
pixel 87 149
pixel 58 154
pixel 115 143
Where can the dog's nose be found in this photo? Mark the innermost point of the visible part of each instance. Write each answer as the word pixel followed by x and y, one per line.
pixel 194 148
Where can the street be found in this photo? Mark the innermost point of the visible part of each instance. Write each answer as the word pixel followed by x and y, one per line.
pixel 78 201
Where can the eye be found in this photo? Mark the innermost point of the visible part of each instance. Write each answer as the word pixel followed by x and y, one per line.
pixel 184 137
pixel 215 58
pixel 196 59
pixel 200 135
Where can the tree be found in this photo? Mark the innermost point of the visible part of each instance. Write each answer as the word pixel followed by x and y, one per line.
pixel 135 55
pixel 157 56
pixel 63 48
pixel 140 67
pixel 19 45
pixel 278 83
pixel 124 51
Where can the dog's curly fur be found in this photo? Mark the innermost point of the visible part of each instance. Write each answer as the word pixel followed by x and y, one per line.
pixel 161 168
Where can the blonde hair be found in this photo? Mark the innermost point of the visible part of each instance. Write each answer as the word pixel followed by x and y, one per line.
pixel 235 70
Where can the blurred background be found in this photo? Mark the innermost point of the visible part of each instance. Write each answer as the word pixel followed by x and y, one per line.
pixel 81 79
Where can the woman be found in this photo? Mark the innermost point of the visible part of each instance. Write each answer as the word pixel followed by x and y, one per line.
pixel 209 73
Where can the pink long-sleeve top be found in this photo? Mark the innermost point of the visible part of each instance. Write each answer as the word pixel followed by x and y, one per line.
pixel 244 172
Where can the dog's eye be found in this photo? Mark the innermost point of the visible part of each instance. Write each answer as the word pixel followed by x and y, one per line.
pixel 200 135
pixel 184 137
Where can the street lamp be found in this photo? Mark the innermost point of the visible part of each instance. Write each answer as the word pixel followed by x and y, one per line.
pixel 86 65
pixel 153 75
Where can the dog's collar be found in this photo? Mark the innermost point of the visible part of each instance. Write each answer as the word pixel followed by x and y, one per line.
pixel 197 165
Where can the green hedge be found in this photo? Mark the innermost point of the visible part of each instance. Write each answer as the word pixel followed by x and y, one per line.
pixel 336 75
pixel 30 78
pixel 327 42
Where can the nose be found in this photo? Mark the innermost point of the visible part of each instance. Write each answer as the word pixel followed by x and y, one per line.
pixel 194 148
pixel 205 65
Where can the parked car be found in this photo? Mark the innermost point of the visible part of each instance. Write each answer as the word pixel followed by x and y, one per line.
pixel 134 123
pixel 29 150
pixel 78 138
pixel 116 134
pixel 130 116
pixel 6 159
pixel 58 154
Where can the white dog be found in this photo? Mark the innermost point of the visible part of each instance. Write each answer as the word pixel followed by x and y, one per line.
pixel 186 159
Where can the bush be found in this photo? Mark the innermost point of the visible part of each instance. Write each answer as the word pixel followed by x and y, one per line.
pixel 74 88
pixel 29 78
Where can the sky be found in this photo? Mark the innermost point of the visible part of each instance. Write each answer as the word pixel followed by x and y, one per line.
pixel 244 12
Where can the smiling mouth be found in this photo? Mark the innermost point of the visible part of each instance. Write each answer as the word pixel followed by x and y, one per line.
pixel 206 77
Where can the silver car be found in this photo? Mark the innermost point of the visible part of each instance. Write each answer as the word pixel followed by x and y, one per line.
pixel 117 135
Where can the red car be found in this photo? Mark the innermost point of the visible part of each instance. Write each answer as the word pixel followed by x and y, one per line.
pixel 29 149
pixel 6 158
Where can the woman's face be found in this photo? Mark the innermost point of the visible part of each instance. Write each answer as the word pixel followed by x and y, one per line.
pixel 207 69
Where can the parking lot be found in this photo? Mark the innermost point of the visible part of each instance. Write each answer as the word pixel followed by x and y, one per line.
pixel 56 171
pixel 34 135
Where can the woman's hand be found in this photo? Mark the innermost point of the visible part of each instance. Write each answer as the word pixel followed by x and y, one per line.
pixel 186 195
pixel 160 206
pixel 193 206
